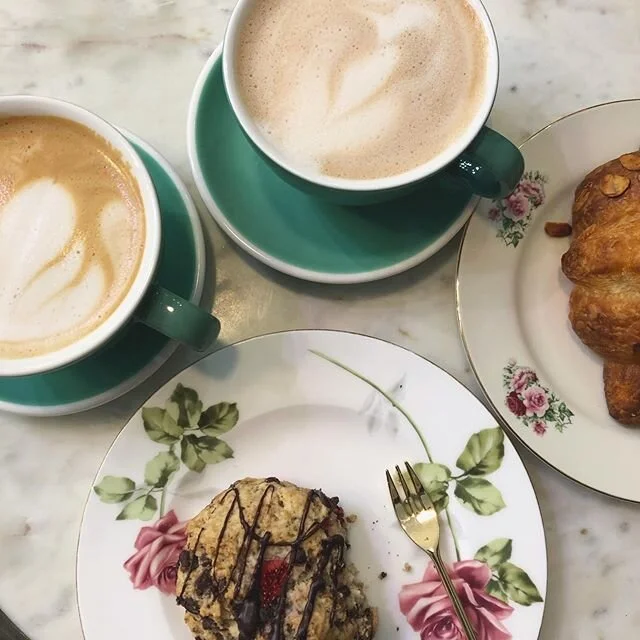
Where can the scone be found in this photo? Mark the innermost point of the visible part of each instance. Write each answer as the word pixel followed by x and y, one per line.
pixel 265 560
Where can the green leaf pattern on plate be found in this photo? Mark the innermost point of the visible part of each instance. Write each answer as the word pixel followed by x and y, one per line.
pixel 190 454
pixel 495 553
pixel 219 418
pixel 191 435
pixel 518 585
pixel 483 454
pixel 184 406
pixel 435 479
pixel 479 495
pixel 142 508
pixel 161 426
pixel 508 581
pixel 494 589
pixel 213 450
pixel 160 468
pixel 113 489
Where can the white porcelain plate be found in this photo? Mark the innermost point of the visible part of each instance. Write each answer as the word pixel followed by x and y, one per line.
pixel 315 408
pixel 513 307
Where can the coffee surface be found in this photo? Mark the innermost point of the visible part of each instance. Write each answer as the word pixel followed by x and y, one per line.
pixel 72 231
pixel 361 89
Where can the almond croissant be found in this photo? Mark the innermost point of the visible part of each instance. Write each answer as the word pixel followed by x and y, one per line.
pixel 604 263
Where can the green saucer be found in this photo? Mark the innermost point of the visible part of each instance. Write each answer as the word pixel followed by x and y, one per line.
pixel 296 233
pixel 137 351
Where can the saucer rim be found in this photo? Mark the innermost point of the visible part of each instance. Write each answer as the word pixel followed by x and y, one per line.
pixel 169 349
pixel 278 264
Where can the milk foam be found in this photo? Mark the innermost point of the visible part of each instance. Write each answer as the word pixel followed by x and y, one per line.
pixel 361 88
pixel 70 242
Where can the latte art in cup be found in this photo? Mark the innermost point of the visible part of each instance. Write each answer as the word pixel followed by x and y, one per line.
pixel 361 89
pixel 72 233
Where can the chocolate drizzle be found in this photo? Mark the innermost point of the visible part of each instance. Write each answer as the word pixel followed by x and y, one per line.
pixel 253 612
pixel 332 547
pixel 192 565
pixel 247 610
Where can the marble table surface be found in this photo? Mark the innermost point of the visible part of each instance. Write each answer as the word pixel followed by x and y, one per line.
pixel 135 62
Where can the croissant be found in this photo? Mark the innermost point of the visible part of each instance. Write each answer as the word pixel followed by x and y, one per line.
pixel 603 262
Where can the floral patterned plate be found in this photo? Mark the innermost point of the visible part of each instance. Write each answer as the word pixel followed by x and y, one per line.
pixel 513 306
pixel 328 410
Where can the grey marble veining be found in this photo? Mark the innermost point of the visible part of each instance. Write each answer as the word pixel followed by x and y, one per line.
pixel 135 62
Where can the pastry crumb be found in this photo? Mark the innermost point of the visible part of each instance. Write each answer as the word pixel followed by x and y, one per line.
pixel 351 518
pixel 407 567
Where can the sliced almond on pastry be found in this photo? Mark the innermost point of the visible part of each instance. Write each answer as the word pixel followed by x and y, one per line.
pixel 557 229
pixel 613 185
pixel 631 161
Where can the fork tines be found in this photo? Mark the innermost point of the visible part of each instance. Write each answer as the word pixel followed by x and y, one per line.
pixel 419 494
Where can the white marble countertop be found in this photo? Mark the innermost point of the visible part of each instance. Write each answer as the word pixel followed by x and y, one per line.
pixel 135 63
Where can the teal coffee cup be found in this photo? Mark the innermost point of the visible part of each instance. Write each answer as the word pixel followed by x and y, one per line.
pixel 74 274
pixel 477 157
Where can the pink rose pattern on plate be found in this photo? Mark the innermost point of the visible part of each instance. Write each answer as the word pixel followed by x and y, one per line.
pixel 155 562
pixel 430 612
pixel 513 214
pixel 533 404
pixel 485 585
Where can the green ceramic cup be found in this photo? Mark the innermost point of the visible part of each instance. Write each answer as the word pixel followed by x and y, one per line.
pixel 145 301
pixel 480 159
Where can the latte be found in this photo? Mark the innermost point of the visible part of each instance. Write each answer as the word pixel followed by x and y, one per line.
pixel 72 229
pixel 361 89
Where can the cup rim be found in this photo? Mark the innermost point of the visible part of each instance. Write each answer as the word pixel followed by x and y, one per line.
pixel 41 105
pixel 353 185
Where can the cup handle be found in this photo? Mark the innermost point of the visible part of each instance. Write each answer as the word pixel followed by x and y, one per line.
pixel 491 165
pixel 177 318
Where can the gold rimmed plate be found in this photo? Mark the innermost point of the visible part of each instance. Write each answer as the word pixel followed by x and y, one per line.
pixel 326 410
pixel 512 301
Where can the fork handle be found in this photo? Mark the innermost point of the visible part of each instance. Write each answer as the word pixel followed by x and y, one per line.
pixel 453 595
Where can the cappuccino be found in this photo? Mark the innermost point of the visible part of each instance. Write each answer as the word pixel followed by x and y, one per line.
pixel 72 229
pixel 361 89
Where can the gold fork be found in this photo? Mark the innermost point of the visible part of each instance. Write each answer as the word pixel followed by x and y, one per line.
pixel 419 520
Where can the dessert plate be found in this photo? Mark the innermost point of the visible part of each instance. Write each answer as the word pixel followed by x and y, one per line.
pixel 325 410
pixel 513 308
pixel 135 354
pixel 294 232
